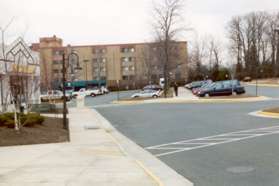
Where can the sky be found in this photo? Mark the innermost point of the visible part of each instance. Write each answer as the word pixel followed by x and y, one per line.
pixel 81 22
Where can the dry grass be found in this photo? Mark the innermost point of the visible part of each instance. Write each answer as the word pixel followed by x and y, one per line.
pixel 273 110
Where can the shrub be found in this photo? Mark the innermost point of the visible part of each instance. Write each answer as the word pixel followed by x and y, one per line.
pixel 10 123
pixel 28 120
pixel 7 120
pixel 9 115
pixel 33 119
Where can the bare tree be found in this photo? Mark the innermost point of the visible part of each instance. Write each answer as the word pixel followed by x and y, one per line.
pixel 167 26
pixel 253 43
pixel 146 58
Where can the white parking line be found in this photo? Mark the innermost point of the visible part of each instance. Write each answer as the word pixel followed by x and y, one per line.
pixel 212 140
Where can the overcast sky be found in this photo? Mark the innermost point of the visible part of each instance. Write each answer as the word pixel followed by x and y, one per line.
pixel 115 21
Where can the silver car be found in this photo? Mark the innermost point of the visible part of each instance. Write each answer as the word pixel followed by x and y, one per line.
pixel 147 94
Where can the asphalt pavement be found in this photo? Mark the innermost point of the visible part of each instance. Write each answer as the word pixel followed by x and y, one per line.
pixel 104 100
pixel 272 92
pixel 248 161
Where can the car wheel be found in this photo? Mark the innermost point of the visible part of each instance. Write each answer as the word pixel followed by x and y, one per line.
pixel 93 95
pixel 155 96
pixel 206 95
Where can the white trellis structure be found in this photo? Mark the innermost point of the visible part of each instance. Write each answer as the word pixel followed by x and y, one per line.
pixel 19 62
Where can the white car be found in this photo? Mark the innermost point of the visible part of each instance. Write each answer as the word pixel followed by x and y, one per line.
pixel 104 90
pixel 54 95
pixel 84 92
pixel 147 94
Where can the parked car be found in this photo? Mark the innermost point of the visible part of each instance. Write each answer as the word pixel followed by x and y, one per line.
pixel 147 94
pixel 54 95
pixel 104 90
pixel 197 84
pixel 205 85
pixel 222 88
pixel 188 85
pixel 152 87
pixel 86 92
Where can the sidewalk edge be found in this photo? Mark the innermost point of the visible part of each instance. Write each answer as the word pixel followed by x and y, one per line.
pixel 161 173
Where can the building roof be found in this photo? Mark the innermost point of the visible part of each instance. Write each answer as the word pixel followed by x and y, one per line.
pixel 103 45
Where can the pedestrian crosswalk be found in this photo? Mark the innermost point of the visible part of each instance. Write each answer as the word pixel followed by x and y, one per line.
pixel 192 144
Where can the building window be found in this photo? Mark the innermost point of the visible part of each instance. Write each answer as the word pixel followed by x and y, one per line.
pixel 128 59
pixel 103 69
pixel 132 68
pixel 125 77
pixel 128 49
pixel 132 50
pixel 99 50
pixel 125 69
pixel 95 60
pixel 58 52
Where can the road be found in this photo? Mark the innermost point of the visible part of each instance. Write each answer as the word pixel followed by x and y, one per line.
pixel 266 91
pixel 103 100
pixel 247 160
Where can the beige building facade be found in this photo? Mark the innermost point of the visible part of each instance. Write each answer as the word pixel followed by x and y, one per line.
pixel 131 65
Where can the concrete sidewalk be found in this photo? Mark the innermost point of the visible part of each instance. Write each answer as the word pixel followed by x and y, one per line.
pixel 92 157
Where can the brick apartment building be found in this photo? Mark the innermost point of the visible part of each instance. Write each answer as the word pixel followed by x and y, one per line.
pixel 132 65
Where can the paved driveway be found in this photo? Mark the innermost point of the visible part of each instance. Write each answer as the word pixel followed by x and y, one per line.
pixel 235 157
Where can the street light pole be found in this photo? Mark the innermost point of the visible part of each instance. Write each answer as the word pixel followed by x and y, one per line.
pixel 64 71
pixel 65 124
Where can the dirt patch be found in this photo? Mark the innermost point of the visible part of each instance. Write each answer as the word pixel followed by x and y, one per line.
pixel 230 97
pixel 272 110
pixel 51 131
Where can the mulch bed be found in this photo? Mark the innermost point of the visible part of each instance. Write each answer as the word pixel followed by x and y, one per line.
pixel 273 110
pixel 230 97
pixel 51 131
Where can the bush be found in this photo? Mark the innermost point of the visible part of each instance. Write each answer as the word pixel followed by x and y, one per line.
pixel 7 120
pixel 33 119
pixel 28 120
pixel 10 123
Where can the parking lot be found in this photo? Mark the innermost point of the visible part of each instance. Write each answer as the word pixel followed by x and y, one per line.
pixel 208 143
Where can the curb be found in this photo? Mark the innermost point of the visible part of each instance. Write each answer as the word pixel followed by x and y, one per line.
pixel 262 84
pixel 154 177
pixel 171 101
pixel 161 173
pixel 265 114
pixel 268 114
